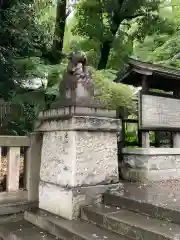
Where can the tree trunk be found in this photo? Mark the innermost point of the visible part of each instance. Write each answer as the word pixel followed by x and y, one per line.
pixel 4 4
pixel 59 31
pixel 106 45
pixel 105 50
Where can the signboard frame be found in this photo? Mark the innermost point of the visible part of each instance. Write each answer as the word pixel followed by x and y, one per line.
pixel 140 114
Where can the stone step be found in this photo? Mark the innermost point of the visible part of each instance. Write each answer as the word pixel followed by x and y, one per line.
pixel 23 230
pixel 131 224
pixel 160 210
pixel 11 218
pixel 66 229
pixel 16 207
pixel 15 202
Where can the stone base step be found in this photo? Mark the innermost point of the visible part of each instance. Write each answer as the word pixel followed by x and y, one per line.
pixel 131 224
pixel 66 229
pixel 15 202
pixel 11 218
pixel 23 230
pixel 169 212
pixel 17 207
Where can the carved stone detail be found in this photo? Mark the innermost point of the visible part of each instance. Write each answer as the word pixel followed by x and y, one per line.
pixel 77 81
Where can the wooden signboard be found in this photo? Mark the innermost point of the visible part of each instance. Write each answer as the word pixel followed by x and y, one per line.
pixel 159 112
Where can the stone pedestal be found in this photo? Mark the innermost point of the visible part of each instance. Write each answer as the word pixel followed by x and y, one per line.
pixel 79 158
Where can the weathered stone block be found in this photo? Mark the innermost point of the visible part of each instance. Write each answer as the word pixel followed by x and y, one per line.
pixel 96 158
pixel 145 176
pixel 79 158
pixel 79 123
pixel 151 164
pixel 58 153
pixel 67 112
pixel 66 202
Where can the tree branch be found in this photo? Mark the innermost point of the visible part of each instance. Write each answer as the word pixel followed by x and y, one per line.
pixel 133 17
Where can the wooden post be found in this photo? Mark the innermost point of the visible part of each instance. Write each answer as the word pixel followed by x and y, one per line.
pixel 13 169
pixel 145 134
pixel 139 138
pixel 33 161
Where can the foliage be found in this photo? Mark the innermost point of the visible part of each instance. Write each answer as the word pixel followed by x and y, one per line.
pixel 176 10
pixel 23 124
pixel 108 31
pixel 112 94
pixel 113 25
pixel 95 18
pixel 21 36
pixel 35 100
pixel 168 53
pixel 163 49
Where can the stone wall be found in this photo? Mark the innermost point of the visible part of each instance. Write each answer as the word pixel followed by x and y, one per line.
pixel 154 164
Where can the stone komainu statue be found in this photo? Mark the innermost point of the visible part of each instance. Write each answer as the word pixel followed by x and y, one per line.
pixel 77 74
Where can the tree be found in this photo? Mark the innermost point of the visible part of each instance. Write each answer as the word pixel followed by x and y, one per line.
pixel 176 9
pixel 59 12
pixel 105 21
pixel 59 30
pixel 21 36
pixel 33 100
pixel 163 49
pixel 168 54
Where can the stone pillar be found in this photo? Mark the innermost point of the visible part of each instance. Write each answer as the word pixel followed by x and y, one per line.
pixel 79 158
pixel 32 159
pixel 145 140
pixel 176 140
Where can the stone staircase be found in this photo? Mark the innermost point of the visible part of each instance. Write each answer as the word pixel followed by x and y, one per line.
pixel 20 229
pixel 133 212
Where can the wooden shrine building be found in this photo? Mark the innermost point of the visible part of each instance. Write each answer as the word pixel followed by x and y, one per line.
pixel 151 76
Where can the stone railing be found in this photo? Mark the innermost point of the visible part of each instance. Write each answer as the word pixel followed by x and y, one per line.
pixel 29 157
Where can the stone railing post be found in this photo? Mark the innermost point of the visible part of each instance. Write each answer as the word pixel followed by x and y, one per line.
pixel 176 140
pixel 13 167
pixel 145 140
pixel 32 166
